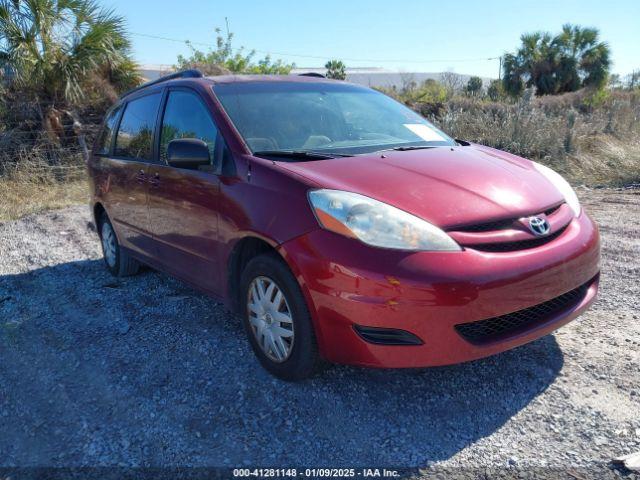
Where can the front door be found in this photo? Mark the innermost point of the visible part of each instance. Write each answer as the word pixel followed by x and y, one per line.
pixel 183 203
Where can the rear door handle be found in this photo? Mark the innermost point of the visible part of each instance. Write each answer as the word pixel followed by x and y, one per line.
pixel 141 177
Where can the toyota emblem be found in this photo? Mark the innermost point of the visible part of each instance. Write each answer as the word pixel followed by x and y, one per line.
pixel 539 226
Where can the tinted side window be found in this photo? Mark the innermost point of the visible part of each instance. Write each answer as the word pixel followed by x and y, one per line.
pixel 185 116
pixel 106 136
pixel 135 135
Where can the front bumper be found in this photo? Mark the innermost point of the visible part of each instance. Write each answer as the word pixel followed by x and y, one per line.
pixel 347 283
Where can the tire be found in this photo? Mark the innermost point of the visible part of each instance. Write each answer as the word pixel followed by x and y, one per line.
pixel 116 259
pixel 289 358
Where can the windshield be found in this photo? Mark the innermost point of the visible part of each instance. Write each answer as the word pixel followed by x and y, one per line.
pixel 323 117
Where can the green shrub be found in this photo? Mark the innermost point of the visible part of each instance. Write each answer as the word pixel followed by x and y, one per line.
pixel 336 70
pixel 225 58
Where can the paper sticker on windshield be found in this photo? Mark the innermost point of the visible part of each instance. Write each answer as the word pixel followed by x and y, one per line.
pixel 424 132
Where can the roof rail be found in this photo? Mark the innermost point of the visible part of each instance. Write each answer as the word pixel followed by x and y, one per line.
pixel 311 74
pixel 193 73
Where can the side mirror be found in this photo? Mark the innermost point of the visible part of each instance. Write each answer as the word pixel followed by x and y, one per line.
pixel 188 153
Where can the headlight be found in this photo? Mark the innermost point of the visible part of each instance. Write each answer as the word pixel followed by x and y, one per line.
pixel 562 185
pixel 376 223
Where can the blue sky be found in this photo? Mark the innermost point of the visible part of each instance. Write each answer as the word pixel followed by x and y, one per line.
pixel 412 35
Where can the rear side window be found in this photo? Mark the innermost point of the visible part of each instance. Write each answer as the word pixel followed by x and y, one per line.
pixel 135 135
pixel 185 116
pixel 106 136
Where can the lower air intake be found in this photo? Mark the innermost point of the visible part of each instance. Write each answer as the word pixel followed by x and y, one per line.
pixel 486 331
pixel 386 336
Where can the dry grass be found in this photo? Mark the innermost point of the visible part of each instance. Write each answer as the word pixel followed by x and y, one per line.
pixel 590 139
pixel 29 184
pixel 18 198
pixel 604 160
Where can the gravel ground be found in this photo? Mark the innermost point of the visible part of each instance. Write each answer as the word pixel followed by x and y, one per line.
pixel 143 371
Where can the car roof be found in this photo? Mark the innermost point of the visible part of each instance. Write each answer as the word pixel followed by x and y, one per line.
pixel 197 77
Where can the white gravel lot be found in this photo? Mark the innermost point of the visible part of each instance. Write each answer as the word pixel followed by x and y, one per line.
pixel 144 372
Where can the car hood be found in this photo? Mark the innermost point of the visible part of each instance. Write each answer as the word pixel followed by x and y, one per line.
pixel 446 186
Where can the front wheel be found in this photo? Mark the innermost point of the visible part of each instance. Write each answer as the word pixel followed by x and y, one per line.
pixel 277 320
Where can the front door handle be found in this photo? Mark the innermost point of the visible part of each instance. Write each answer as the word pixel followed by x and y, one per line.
pixel 155 180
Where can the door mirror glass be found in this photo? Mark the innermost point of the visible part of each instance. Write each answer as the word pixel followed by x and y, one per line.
pixel 188 153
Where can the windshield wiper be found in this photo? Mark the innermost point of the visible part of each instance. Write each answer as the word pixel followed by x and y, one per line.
pixel 407 148
pixel 300 154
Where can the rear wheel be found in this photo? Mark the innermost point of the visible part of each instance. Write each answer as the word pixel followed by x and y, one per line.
pixel 118 261
pixel 277 320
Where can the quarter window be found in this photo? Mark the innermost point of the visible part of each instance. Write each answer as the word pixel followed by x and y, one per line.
pixel 106 136
pixel 186 117
pixel 135 135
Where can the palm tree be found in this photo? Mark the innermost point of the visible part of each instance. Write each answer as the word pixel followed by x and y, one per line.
pixel 52 50
pixel 591 55
pixel 572 59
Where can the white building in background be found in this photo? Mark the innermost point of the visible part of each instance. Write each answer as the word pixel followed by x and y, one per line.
pixel 368 76
pixel 380 77
pixel 154 71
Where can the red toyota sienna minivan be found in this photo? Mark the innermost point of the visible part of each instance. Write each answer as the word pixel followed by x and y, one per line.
pixel 341 225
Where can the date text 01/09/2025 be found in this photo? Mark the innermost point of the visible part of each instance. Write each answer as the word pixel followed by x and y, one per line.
pixel 315 472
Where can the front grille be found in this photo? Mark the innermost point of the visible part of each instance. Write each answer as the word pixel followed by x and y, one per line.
pixel 517 245
pixel 485 331
pixel 552 209
pixel 487 227
pixel 386 336
pixel 496 224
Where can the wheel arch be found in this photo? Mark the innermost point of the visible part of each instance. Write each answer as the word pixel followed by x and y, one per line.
pixel 243 251
pixel 98 210
pixel 249 247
